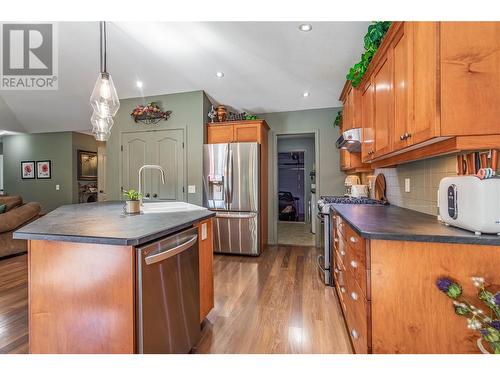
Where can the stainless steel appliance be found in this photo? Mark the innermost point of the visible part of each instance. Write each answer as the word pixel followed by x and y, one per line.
pixel 231 189
pixel 325 259
pixel 350 140
pixel 168 295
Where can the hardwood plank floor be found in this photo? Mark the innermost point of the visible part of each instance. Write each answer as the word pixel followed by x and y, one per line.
pixel 271 304
pixel 14 305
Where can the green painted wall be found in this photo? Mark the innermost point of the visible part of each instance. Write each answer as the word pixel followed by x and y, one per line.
pixel 187 113
pixel 56 147
pixel 329 178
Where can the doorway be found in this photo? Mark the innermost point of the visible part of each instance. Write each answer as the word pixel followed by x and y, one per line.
pixel 295 186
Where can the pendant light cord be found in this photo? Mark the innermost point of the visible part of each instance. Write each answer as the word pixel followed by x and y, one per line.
pixel 103 44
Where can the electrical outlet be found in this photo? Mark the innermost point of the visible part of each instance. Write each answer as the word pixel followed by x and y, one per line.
pixel 191 189
pixel 57 187
pixel 204 233
pixel 407 185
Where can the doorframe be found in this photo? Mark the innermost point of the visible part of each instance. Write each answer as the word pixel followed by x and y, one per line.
pixel 304 182
pixel 184 140
pixel 274 189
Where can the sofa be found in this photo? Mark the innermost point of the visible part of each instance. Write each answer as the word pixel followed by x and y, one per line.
pixel 15 216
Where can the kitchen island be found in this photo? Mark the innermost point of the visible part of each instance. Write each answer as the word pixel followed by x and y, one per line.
pixel 386 263
pixel 86 268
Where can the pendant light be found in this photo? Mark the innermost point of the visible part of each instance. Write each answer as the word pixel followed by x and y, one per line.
pixel 104 99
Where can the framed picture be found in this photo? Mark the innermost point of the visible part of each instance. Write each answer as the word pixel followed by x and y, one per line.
pixel 27 170
pixel 43 169
pixel 87 165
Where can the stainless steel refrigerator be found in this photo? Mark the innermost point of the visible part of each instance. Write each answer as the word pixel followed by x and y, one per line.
pixel 231 189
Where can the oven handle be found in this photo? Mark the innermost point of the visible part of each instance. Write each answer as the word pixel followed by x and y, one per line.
pixel 319 260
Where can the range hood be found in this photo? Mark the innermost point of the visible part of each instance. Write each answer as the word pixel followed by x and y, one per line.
pixel 350 140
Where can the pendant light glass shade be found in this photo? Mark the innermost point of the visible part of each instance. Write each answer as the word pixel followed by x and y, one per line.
pixel 101 126
pixel 104 99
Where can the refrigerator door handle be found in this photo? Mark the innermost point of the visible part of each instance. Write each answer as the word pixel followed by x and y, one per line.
pixel 237 215
pixel 230 178
pixel 226 180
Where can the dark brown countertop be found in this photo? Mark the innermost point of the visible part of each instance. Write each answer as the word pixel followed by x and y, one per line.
pixel 400 224
pixel 104 223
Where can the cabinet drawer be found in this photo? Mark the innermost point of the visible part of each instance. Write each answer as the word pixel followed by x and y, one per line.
pixel 340 285
pixel 356 315
pixel 340 225
pixel 355 265
pixel 354 240
pixel 341 248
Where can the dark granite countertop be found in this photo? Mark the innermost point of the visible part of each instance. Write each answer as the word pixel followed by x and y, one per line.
pixel 396 223
pixel 104 223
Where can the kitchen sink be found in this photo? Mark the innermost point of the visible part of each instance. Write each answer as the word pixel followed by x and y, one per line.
pixel 162 207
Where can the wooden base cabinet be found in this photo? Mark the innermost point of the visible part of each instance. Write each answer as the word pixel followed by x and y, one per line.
pixel 389 297
pixel 206 262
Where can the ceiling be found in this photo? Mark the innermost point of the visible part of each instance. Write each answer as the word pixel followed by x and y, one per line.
pixel 267 67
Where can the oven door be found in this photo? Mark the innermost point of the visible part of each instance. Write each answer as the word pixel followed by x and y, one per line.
pixel 324 262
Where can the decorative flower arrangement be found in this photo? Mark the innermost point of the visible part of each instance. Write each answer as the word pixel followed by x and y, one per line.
pixel 487 324
pixel 149 114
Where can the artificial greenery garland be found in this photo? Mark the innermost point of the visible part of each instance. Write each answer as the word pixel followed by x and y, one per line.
pixel 338 119
pixel 372 40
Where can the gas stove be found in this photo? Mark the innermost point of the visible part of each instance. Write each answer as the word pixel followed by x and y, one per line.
pixel 325 202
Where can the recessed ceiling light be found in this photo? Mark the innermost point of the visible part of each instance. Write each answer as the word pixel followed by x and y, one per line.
pixel 305 94
pixel 305 27
pixel 219 74
pixel 139 84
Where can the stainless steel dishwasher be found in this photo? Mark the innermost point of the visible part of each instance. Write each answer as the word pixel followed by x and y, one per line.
pixel 168 295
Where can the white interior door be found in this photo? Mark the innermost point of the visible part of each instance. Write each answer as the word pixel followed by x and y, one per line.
pixel 162 147
pixel 101 174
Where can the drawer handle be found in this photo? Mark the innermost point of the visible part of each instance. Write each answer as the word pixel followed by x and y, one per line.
pixel 354 296
pixel 335 240
pixel 336 270
pixel 354 264
pixel 342 252
pixel 341 224
pixel 353 239
pixel 354 334
pixel 342 289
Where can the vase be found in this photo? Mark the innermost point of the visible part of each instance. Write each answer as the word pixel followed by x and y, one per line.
pixel 132 207
pixel 221 113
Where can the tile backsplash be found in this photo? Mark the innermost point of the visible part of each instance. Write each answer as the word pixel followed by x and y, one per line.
pixel 424 182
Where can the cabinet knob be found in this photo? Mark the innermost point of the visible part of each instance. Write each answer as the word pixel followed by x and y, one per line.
pixel 335 240
pixel 354 264
pixel 342 252
pixel 407 135
pixel 354 334
pixel 353 239
pixel 402 137
pixel 147 195
pixel 336 270
pixel 354 296
pixel 342 289
pixel 155 195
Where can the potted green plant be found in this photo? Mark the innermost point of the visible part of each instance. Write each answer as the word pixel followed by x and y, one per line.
pixel 132 201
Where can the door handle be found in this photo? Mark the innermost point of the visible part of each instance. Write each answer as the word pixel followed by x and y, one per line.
pixel 168 253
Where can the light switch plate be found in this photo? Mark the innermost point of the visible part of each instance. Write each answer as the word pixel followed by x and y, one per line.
pixel 57 187
pixel 203 231
pixel 407 185
pixel 191 189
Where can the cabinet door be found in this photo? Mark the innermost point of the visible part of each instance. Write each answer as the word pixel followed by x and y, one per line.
pixel 470 78
pixel 346 114
pixel 134 156
pixel 206 259
pixel 425 81
pixel 403 87
pixel 367 123
pixel 220 134
pixel 247 133
pixel 383 102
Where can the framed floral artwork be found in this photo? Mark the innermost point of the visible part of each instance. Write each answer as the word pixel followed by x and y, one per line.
pixel 43 169
pixel 27 170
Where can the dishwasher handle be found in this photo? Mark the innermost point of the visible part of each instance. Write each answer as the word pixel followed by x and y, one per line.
pixel 167 253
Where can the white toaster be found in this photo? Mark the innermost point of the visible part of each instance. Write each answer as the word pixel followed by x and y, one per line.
pixel 470 203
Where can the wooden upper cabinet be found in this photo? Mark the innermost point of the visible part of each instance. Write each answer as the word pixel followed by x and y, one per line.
pixel 247 133
pixel 401 131
pixel 383 102
pixel 470 78
pixel 351 115
pixel 220 134
pixel 368 141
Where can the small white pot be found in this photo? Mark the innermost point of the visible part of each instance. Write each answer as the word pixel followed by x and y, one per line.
pixel 132 207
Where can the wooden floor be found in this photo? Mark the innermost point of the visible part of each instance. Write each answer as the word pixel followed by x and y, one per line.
pixel 14 305
pixel 271 304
